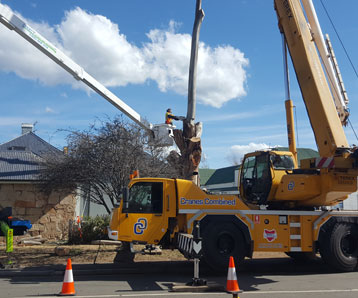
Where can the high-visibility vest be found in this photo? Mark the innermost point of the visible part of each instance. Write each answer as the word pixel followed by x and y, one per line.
pixel 167 119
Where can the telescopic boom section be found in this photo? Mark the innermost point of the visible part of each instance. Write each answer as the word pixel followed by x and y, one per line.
pixel 326 125
pixel 13 22
pixel 328 60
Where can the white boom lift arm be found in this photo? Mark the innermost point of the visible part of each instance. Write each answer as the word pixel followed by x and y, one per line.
pixel 15 23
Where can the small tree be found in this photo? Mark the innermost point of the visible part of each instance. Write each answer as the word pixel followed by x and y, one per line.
pixel 100 160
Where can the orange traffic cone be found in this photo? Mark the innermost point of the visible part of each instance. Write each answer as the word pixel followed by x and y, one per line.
pixel 232 286
pixel 68 286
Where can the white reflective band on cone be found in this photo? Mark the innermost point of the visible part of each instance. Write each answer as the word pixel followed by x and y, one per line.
pixel 231 275
pixel 68 276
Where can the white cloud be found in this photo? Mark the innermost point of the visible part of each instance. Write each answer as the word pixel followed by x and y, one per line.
pixel 220 75
pixel 97 44
pixel 49 110
pixel 18 56
pixel 237 152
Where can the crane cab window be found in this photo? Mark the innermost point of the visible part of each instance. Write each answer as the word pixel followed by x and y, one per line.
pixel 248 168
pixel 145 197
pixel 282 162
pixel 256 178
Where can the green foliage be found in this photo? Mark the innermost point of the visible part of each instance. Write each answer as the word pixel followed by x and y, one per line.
pixel 89 229
pixel 4 227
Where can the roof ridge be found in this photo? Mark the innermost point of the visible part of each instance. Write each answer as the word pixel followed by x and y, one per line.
pixel 10 140
pixel 43 141
pixel 35 138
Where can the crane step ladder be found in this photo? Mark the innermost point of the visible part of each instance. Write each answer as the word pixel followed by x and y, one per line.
pixel 295 233
pixel 301 233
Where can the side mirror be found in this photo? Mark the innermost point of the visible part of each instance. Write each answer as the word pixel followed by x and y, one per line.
pixel 125 192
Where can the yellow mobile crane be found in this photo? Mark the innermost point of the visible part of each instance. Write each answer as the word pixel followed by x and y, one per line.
pixel 319 182
pixel 281 208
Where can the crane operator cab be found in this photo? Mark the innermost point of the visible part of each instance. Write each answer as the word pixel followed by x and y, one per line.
pixel 261 173
pixel 142 216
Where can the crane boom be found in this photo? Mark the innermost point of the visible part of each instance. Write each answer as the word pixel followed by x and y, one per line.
pixel 13 22
pixel 326 125
pixel 335 82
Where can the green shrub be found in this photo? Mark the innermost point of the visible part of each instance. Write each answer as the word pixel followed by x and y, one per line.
pixel 3 228
pixel 90 228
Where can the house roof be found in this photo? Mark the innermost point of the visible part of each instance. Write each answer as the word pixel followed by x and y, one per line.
pixel 20 158
pixel 19 166
pixel 205 175
pixel 223 175
pixel 31 143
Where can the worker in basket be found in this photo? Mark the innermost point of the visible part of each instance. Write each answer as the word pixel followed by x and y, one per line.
pixel 169 117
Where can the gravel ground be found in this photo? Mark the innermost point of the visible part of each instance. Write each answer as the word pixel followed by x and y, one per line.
pixel 33 256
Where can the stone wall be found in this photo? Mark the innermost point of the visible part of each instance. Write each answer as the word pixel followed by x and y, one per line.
pixel 49 215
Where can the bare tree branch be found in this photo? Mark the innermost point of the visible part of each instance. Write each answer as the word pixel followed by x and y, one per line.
pixel 100 160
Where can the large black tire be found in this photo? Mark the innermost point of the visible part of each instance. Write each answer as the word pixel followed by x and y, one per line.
pixel 340 247
pixel 220 241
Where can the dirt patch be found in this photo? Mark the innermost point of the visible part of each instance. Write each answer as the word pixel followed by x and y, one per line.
pixel 33 256
pixel 42 255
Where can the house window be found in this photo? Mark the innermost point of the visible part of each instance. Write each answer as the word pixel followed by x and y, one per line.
pixel 17 148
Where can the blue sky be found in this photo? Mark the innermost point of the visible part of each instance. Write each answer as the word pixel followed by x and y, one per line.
pixel 140 50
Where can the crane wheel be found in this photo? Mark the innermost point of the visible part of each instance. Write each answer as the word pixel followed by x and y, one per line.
pixel 220 241
pixel 340 247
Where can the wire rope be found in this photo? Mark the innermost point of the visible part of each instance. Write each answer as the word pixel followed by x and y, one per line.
pixel 339 38
pixel 350 123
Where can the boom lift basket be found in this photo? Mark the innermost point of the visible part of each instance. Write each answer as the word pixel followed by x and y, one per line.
pixel 163 135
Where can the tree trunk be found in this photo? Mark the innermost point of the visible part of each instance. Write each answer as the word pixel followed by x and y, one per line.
pixel 188 140
pixel 189 144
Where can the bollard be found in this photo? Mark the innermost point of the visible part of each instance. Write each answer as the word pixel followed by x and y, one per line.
pixel 196 251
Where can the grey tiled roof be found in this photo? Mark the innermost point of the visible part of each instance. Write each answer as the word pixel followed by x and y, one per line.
pixel 30 142
pixel 20 158
pixel 19 166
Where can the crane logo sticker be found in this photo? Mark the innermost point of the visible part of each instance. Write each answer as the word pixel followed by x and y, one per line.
pixel 270 235
pixel 291 185
pixel 140 226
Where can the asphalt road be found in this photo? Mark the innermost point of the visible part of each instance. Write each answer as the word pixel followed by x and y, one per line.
pixel 258 278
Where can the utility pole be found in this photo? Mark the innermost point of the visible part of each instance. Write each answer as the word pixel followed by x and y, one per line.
pixel 188 140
